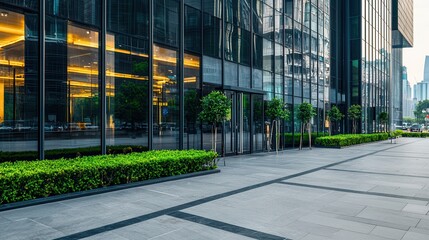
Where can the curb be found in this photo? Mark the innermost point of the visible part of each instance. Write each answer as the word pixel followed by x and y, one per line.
pixel 67 196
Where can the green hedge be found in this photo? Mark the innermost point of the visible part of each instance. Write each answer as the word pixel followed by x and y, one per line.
pixel 69 153
pixel 415 134
pixel 350 139
pixel 290 138
pixel 25 180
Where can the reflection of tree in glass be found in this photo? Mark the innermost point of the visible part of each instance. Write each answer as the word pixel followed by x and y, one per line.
pixel 140 68
pixel 192 109
pixel 131 102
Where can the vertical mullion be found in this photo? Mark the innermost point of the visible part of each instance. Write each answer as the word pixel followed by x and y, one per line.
pixel 41 102
pixel 181 74
pixel 150 67
pixel 103 74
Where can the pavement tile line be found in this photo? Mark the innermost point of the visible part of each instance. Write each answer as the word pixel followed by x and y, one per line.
pixel 375 173
pixel 167 211
pixel 355 191
pixel 226 226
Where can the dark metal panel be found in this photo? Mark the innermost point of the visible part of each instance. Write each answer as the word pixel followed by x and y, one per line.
pixel 41 137
pixel 181 73
pixel 103 74
pixel 150 69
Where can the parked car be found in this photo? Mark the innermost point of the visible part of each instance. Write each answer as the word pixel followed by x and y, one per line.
pixel 416 128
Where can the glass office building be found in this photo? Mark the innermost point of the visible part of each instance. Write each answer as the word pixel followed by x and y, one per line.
pixel 368 42
pixel 132 72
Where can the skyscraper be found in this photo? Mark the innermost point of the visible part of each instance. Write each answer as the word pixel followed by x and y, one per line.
pixel 372 36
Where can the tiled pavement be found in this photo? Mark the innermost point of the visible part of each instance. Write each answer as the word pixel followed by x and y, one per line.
pixel 373 191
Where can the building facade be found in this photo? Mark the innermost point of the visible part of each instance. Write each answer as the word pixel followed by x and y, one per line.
pixel 89 74
pixel 421 89
pixel 373 35
pixel 120 73
pixel 407 96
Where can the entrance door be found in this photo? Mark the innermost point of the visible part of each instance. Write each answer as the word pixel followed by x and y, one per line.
pixel 237 128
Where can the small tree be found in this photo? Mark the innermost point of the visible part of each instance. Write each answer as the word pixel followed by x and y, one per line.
pixel 276 112
pixel 215 108
pixel 384 118
pixel 335 116
pixel 355 113
pixel 305 114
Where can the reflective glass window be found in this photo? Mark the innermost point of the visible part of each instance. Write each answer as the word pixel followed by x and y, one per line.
pixel 72 88
pixel 166 22
pixel 165 99
pixel 127 90
pixel 18 83
pixel 192 93
pixel 192 29
pixel 212 36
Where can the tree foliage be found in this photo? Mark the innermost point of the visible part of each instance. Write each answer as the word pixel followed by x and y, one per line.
pixel 215 108
pixel 131 102
pixel 276 109
pixel 354 113
pixel 305 114
pixel 384 118
pixel 421 106
pixel 335 114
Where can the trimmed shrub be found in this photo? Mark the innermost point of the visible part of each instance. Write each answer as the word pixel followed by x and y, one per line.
pixel 290 138
pixel 69 153
pixel 415 134
pixel 24 180
pixel 350 139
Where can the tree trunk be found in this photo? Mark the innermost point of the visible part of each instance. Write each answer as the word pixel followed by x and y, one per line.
pixel 300 137
pixel 212 137
pixel 215 137
pixel 309 134
pixel 277 135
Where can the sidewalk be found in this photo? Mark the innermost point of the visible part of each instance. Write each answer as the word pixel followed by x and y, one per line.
pixel 373 191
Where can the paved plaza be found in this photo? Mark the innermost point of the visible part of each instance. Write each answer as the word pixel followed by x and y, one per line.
pixel 373 191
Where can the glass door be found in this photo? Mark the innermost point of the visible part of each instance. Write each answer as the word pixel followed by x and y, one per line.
pixel 237 128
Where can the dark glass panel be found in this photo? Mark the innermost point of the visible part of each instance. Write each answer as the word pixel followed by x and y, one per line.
pixel 129 17
pixel 126 90
pixel 212 36
pixel 213 7
pixel 166 22
pixel 192 29
pixel 85 11
pixel 34 4
pixel 18 83
pixel 72 87
pixel 231 42
pixel 166 99
pixel 244 46
pixel 257 52
pixel 194 3
pixel 192 102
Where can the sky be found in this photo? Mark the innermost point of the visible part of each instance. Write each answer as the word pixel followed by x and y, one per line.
pixel 414 58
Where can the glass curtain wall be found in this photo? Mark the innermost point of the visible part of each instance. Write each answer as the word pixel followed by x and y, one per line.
pixel 127 85
pixel 72 101
pixel 19 81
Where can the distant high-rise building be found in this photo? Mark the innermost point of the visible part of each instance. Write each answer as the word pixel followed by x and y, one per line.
pixel 402 37
pixel 421 89
pixel 407 98
pixel 368 56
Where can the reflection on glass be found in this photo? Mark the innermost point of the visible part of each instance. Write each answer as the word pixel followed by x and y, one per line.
pixel 18 83
pixel 165 99
pixel 192 102
pixel 126 91
pixel 72 89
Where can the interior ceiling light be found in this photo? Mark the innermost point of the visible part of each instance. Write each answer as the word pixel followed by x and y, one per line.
pixel 4 14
